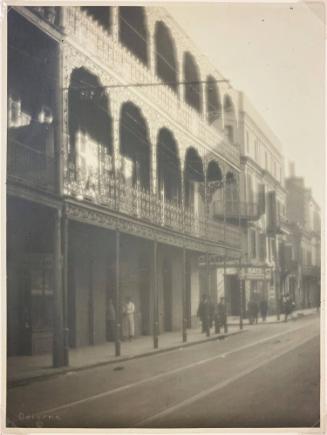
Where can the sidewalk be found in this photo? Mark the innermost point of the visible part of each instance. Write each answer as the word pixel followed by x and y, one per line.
pixel 24 369
pixel 235 320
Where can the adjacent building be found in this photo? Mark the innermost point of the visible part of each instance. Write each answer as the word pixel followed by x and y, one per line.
pixel 302 258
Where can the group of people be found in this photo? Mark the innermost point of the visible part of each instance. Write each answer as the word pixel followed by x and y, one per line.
pixel 216 315
pixel 254 308
pixel 287 306
pixel 128 321
pixel 211 314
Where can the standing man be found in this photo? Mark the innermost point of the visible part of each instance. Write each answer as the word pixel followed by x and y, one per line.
pixel 111 319
pixel 128 313
pixel 204 312
pixel 287 306
pixel 221 316
pixel 263 309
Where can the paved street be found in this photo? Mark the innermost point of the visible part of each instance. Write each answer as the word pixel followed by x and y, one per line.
pixel 265 377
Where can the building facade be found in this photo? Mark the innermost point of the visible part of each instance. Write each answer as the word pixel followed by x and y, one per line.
pixel 302 260
pixel 121 137
pixel 261 213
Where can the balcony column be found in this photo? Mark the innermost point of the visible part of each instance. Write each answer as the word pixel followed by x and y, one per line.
pixel 117 295
pixel 204 100
pixel 65 265
pixel 155 296
pixel 182 193
pixel 115 22
pixel 180 74
pixel 208 286
pixel 58 352
pixel 154 171
pixel 241 292
pixel 59 135
pixel 116 162
pixel 277 290
pixel 152 49
pixel 184 307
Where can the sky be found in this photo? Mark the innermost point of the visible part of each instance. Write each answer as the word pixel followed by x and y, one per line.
pixel 274 53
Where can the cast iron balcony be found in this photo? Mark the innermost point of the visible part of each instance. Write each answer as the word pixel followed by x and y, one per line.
pixel 29 166
pixel 235 210
pixel 103 188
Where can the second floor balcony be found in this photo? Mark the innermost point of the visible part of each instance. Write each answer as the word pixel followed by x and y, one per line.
pixel 31 166
pixel 121 196
pixel 235 210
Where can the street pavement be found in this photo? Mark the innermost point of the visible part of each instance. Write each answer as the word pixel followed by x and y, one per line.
pixel 266 377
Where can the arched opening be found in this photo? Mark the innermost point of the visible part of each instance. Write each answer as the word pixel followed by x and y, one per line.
pixel 168 166
pixel 135 145
pixel 133 32
pixel 32 87
pixel 213 101
pixel 166 61
pixel 194 182
pixel 90 126
pixel 101 14
pixel 193 86
pixel 214 188
pixel 229 119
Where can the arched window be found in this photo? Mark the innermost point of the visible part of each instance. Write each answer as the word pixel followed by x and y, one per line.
pixel 213 100
pixel 166 63
pixel 193 87
pixel 193 179
pixel 168 166
pixel 88 109
pixel 133 32
pixel 231 191
pixel 229 118
pixel 214 189
pixel 134 143
pixel 101 14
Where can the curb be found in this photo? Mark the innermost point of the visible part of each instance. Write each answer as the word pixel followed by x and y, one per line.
pixel 57 372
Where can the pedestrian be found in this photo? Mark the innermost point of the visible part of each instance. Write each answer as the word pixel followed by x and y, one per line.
pixel 111 320
pixel 287 304
pixel 221 316
pixel 255 311
pixel 204 314
pixel 263 309
pixel 252 311
pixel 128 318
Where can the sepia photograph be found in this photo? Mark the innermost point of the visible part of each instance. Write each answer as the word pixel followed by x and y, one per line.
pixel 164 203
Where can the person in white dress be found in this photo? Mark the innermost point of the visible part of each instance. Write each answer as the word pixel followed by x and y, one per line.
pixel 129 321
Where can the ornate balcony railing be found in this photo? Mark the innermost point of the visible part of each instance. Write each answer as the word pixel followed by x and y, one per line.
pixel 117 194
pixel 51 14
pixel 235 210
pixel 93 38
pixel 30 166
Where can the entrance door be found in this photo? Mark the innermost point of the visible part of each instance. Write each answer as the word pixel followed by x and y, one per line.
pixel 167 295
pixel 235 300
